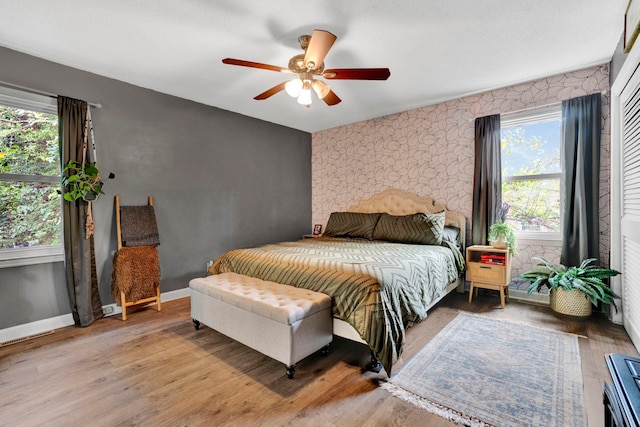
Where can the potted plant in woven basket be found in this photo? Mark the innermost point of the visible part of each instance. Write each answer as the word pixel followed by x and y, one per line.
pixel 574 290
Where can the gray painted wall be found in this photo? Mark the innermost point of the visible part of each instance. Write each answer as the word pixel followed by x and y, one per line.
pixel 219 181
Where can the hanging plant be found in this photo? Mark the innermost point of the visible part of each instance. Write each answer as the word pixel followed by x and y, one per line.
pixel 82 181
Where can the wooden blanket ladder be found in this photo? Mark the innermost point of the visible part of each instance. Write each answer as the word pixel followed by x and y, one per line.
pixel 126 304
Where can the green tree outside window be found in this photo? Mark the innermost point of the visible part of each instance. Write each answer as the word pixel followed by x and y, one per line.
pixel 29 177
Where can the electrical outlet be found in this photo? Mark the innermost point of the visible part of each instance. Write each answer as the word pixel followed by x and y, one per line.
pixel 107 310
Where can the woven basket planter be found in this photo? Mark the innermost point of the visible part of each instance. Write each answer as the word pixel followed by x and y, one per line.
pixel 570 303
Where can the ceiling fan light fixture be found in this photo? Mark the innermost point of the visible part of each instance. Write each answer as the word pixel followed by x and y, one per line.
pixel 305 94
pixel 321 88
pixel 293 87
pixel 305 97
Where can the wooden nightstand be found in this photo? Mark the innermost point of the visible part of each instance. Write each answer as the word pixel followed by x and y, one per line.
pixel 489 268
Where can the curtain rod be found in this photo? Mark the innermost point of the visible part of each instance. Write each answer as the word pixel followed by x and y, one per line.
pixel 43 93
pixel 602 92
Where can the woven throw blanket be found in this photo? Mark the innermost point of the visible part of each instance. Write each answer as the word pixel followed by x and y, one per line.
pixel 139 227
pixel 136 272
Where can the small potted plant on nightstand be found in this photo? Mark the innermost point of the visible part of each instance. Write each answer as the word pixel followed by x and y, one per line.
pixel 502 236
pixel 573 289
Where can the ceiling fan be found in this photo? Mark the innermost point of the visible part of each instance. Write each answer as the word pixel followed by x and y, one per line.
pixel 310 65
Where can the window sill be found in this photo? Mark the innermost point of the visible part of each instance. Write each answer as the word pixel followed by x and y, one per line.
pixel 539 241
pixel 29 256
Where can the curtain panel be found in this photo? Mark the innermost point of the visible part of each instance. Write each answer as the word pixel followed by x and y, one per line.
pixel 581 130
pixel 487 178
pixel 80 264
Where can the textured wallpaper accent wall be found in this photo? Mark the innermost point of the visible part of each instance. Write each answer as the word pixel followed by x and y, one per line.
pixel 430 151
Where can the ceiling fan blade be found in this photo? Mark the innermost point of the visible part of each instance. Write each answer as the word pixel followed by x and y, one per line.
pixel 331 98
pixel 270 92
pixel 242 63
pixel 319 45
pixel 357 74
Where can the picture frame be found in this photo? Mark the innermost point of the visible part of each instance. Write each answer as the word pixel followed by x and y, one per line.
pixel 631 24
pixel 317 229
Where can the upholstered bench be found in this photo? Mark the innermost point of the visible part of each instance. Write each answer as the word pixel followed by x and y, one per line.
pixel 283 322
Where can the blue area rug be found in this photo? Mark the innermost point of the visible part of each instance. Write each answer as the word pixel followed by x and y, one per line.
pixel 480 371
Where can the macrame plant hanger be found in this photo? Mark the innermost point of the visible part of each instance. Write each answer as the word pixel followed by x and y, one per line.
pixel 88 130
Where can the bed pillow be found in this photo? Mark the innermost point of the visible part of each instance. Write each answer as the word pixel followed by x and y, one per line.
pixel 419 228
pixel 351 224
pixel 451 234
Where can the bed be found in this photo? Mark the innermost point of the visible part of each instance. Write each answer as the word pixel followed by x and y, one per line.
pixel 380 283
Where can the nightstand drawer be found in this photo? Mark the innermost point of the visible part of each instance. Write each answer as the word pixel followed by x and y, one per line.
pixel 478 272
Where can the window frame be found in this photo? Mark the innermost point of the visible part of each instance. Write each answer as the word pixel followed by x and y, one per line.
pixel 14 98
pixel 527 117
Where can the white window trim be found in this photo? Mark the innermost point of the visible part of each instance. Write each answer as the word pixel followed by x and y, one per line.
pixel 539 237
pixel 28 101
pixel 527 117
pixel 533 115
pixel 535 177
pixel 16 257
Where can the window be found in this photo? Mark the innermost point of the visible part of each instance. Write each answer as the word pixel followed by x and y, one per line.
pixel 30 224
pixel 532 170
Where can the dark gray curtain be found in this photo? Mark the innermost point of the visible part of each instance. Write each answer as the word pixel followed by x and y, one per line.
pixel 581 128
pixel 487 178
pixel 82 281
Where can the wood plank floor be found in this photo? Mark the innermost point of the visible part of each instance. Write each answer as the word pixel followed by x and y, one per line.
pixel 156 369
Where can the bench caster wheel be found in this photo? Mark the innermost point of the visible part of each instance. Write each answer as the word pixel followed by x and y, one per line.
pixel 196 324
pixel 291 370
pixel 374 365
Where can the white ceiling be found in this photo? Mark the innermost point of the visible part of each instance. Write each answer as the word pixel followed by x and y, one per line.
pixel 436 49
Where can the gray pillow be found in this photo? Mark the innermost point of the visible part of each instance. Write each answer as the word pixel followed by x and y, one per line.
pixel 451 234
pixel 419 228
pixel 351 224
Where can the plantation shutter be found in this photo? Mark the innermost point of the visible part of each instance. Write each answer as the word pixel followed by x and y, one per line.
pixel 629 163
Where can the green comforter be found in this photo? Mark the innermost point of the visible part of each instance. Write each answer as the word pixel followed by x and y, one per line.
pixel 377 287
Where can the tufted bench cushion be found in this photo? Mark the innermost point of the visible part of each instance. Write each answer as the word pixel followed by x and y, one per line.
pixel 281 321
pixel 282 303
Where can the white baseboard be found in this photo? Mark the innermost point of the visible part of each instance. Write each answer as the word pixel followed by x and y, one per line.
pixel 45 325
pixel 113 309
pixel 35 328
pixel 524 296
pixel 632 331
